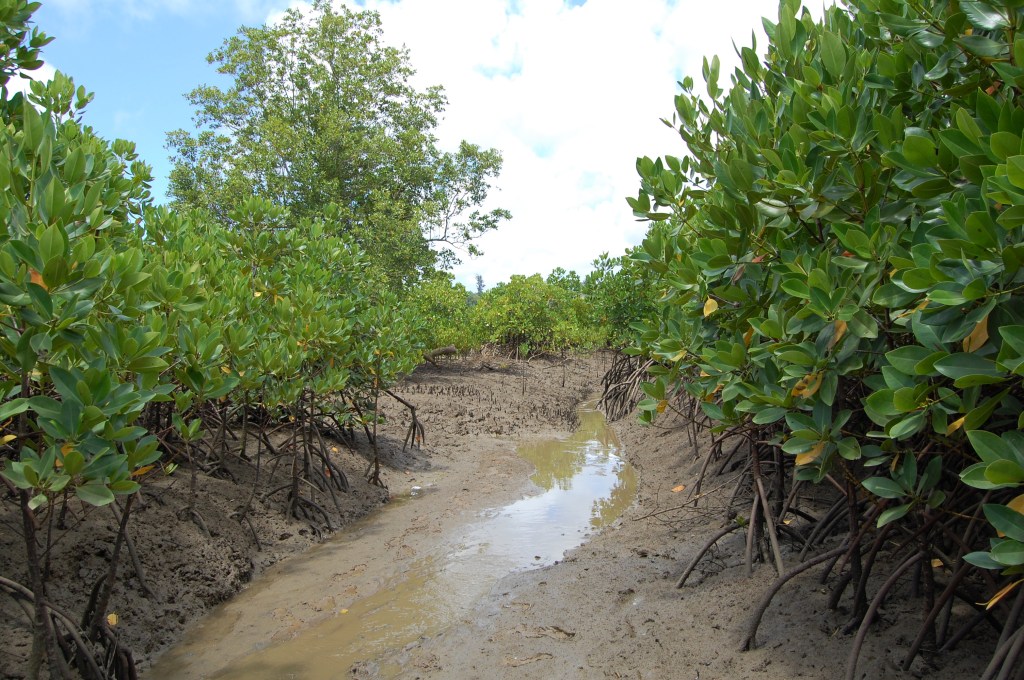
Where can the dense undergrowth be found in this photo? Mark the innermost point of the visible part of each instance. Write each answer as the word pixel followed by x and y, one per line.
pixel 839 255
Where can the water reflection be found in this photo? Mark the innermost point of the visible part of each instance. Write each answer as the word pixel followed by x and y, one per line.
pixel 585 486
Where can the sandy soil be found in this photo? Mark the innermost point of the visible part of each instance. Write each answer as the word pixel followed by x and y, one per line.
pixel 610 609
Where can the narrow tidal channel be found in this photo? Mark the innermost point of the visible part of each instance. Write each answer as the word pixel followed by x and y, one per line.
pixel 584 485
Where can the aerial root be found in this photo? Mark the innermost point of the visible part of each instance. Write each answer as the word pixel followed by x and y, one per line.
pixel 718 535
pixel 748 641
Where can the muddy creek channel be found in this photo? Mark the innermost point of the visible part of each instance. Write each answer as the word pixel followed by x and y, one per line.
pixel 399 575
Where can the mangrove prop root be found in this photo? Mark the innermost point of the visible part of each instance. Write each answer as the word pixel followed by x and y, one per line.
pixel 416 434
pixel 111 660
pixel 1006 652
pixel 718 535
pixel 858 642
pixel 1014 614
pixel 766 600
pixel 751 532
pixel 940 604
pixel 837 509
pixel 773 536
pixel 1010 663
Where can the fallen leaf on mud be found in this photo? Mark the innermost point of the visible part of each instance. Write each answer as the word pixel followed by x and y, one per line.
pixel 515 663
pixel 678 488
pixel 519 605
pixel 553 632
pixel 112 619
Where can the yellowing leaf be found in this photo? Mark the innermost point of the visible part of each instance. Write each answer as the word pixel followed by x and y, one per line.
pixel 112 619
pixel 257 294
pixel 37 279
pixel 978 337
pixel 748 336
pixel 343 611
pixel 1017 504
pixel 662 405
pixel 710 307
pixel 143 470
pixel 808 386
pixel 840 331
pixel 810 456
pixel 1001 594
pixel 937 563
pixel 8 438
pixel 920 306
pixel 955 425
pixel 678 488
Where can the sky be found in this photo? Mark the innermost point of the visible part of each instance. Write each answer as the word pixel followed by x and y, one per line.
pixel 570 91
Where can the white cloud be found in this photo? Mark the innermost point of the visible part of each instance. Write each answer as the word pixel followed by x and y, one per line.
pixel 147 10
pixel 571 95
pixel 21 84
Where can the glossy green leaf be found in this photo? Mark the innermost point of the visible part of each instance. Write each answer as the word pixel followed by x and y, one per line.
pixel 883 487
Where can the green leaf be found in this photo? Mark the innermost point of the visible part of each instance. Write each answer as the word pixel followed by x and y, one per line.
pixel 1006 520
pixel 990 447
pixel 883 487
pixel 982 15
pixel 1004 144
pixel 95 493
pixel 965 364
pixel 1008 552
pixel 983 560
pixel 981 46
pixel 893 514
pixel 51 243
pixel 1004 473
pixel 905 359
pixel 1015 170
pixel 13 408
pixel 147 365
pixel 124 486
pixel 920 151
pixel 1013 336
pixel 769 415
pixel 833 54
pixel 74 461
pixel 1012 217
pixel 849 448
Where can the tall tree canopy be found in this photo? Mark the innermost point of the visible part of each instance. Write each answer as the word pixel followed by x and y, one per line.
pixel 321 118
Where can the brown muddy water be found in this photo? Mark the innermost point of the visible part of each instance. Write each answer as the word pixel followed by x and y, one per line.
pixel 317 615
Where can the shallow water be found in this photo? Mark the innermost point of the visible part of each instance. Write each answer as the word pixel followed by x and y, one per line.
pixel 585 485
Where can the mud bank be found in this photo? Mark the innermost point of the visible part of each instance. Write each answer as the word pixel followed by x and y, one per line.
pixel 475 412
pixel 608 609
